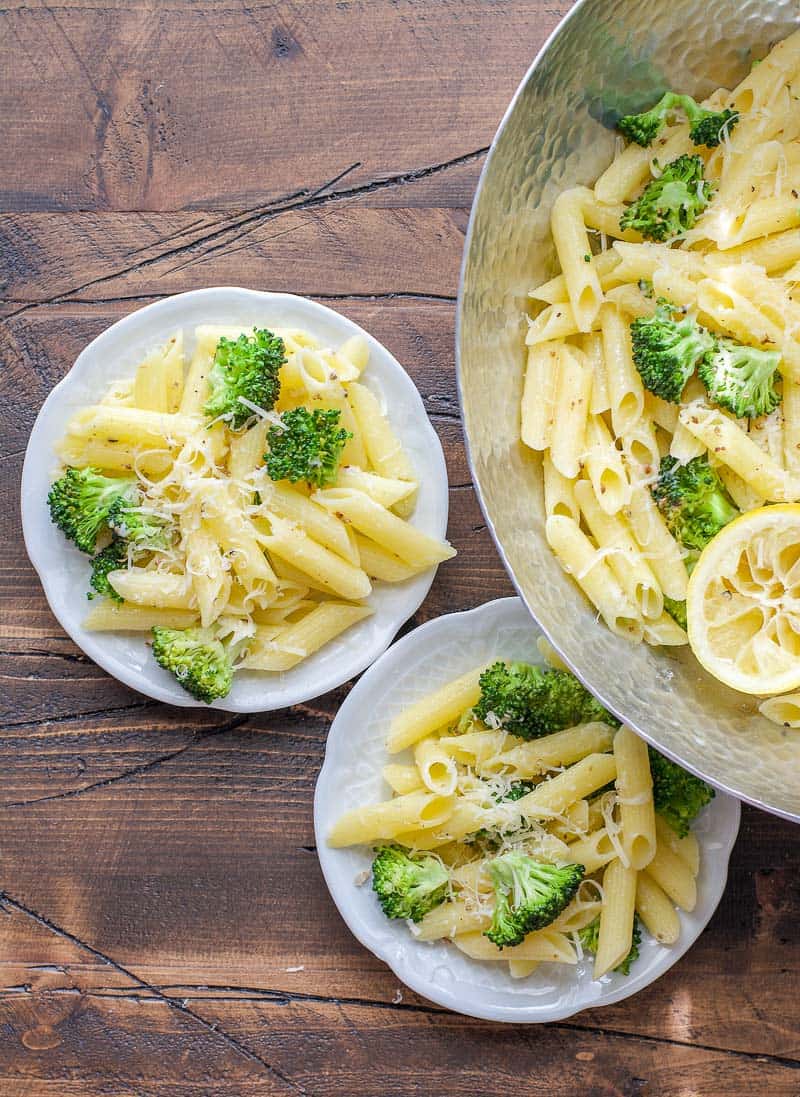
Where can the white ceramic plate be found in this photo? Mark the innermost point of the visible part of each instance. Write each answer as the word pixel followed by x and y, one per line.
pixel 64 570
pixel 422 661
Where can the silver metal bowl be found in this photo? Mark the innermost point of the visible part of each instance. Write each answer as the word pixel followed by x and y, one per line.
pixel 608 56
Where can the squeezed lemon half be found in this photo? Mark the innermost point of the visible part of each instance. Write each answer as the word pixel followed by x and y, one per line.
pixel 743 602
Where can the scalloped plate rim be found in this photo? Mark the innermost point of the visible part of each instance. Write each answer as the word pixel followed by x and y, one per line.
pixel 142 682
pixel 524 1014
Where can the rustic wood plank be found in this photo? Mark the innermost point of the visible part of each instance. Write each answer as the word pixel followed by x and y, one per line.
pixel 330 1048
pixel 159 870
pixel 174 106
pixel 333 248
pixel 162 847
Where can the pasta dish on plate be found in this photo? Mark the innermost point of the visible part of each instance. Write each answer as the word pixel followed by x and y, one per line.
pixel 238 506
pixel 526 826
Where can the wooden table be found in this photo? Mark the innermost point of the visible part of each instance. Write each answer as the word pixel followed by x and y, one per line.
pixel 165 929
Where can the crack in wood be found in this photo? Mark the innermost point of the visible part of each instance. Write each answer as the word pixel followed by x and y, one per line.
pixel 174 1003
pixel 113 711
pixel 241 224
pixel 221 992
pixel 389 295
pixel 135 771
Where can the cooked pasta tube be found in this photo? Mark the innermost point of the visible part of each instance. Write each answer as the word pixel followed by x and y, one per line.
pixel 554 796
pixel 575 256
pixel 384 450
pixel 452 919
pixel 562 748
pixel 158 381
pixel 206 567
pixel 434 711
pixel 285 648
pixel 539 395
pixel 656 911
pixel 616 917
pixel 334 574
pixel 673 876
pixel 635 796
pixel 783 710
pixel 604 467
pixel 571 408
pixel 383 527
pixel 592 345
pixel 624 383
pixel 388 491
pixel 581 559
pixel 542 945
pixel 402 778
pixel 662 552
pixel 153 588
pixel 559 495
pixel 107 616
pixel 593 852
pixel 109 424
pixel 415 810
pixel 687 848
pixel 246 450
pixel 436 767
pixel 624 556
pixel 730 445
pixel 322 526
pixel 378 563
pixel 475 748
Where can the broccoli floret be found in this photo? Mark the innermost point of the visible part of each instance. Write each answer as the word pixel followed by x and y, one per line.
pixel 706 126
pixel 529 894
pixel 676 610
pixel 307 446
pixel 408 885
pixel 80 502
pixel 588 938
pixel 111 558
pixel 667 351
pixel 201 663
pixel 693 500
pixel 245 369
pixel 741 378
pixel 678 796
pixel 670 205
pixel 128 521
pixel 530 702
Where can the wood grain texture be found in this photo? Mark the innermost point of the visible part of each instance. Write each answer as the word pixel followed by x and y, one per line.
pixel 164 927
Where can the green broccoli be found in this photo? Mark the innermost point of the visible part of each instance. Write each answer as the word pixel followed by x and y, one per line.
pixel 408 885
pixel 706 127
pixel 670 205
pixel 588 938
pixel 201 663
pixel 693 500
pixel 741 378
pixel 530 702
pixel 678 796
pixel 81 500
pixel 667 351
pixel 131 523
pixel 111 558
pixel 676 610
pixel 306 446
pixel 244 374
pixel 529 895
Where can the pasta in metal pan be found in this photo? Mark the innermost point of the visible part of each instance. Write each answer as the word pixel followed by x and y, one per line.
pixel 661 385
